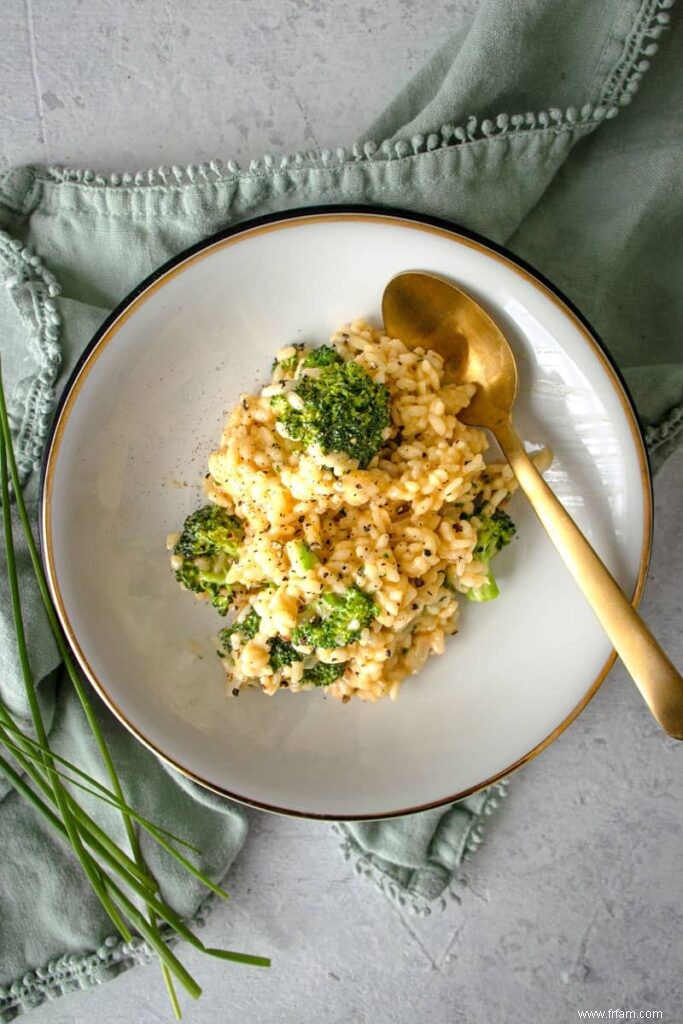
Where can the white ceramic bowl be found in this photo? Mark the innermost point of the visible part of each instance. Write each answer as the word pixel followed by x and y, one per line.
pixel 129 449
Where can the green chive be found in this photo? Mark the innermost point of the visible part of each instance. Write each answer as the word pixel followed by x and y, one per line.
pixel 72 822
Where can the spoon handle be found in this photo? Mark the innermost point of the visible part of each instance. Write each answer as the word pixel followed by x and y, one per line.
pixel 656 677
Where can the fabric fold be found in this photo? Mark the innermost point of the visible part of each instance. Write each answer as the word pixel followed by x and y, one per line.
pixel 552 127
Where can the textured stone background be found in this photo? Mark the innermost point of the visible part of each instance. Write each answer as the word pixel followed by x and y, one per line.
pixel 574 902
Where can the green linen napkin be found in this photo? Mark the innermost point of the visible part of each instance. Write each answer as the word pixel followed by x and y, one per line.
pixel 523 129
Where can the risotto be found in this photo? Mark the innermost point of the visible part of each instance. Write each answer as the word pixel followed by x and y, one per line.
pixel 341 556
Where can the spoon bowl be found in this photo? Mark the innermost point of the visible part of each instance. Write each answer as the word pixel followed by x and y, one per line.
pixel 428 312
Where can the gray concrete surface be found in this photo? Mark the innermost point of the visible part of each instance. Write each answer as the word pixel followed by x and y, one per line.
pixel 574 901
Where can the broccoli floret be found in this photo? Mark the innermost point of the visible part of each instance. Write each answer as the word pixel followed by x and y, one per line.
pixel 323 674
pixel 221 599
pixel 323 356
pixel 282 653
pixel 449 586
pixel 301 557
pixel 338 620
pixel 206 581
pixel 486 592
pixel 281 405
pixel 342 410
pixel 288 365
pixel 249 626
pixel 208 544
pixel 494 533
pixel 208 531
pixel 246 629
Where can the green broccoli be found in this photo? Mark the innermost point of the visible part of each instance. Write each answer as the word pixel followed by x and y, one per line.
pixel 281 405
pixel 246 629
pixel 301 558
pixel 337 620
pixel 282 653
pixel 201 581
pixel 493 534
pixel 449 586
pixel 208 545
pixel 323 356
pixel 208 531
pixel 486 592
pixel 342 410
pixel 323 674
pixel 288 365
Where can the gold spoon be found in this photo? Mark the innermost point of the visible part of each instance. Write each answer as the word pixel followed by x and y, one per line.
pixel 425 311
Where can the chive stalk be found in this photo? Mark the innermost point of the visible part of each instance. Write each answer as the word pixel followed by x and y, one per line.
pixel 107 867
